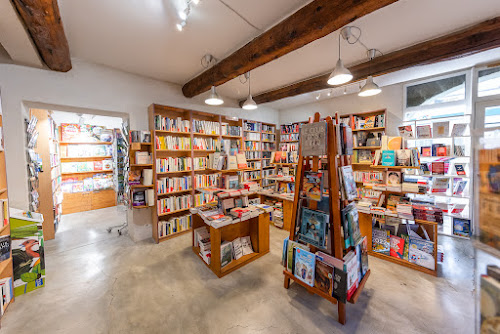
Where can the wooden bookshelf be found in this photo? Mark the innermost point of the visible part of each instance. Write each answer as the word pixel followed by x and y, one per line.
pixel 191 115
pixel 134 167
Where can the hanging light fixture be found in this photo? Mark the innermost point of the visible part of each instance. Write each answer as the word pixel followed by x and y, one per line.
pixel 340 74
pixel 180 26
pixel 214 99
pixel 249 104
pixel 185 13
pixel 370 88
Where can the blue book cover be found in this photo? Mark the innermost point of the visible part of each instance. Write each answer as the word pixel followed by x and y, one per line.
pixel 313 227
pixel 388 158
pixel 304 266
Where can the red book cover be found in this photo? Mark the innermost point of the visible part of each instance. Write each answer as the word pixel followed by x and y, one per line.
pixel 397 246
pixel 441 151
pixel 426 151
pixel 438 168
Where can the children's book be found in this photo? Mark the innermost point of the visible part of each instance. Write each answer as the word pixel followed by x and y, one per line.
pixel 389 158
pixel 406 131
pixel 349 183
pixel 424 131
pixel 323 276
pixel 351 266
pixel 461 227
pixel 397 246
pixel 421 252
pixel 381 241
pixel 290 256
pixel 304 266
pixel 426 151
pixel 313 227
pixel 393 178
pixel 441 129
pixel 313 185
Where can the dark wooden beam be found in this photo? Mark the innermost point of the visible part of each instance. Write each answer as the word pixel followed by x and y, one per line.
pixel 43 22
pixel 315 20
pixel 481 37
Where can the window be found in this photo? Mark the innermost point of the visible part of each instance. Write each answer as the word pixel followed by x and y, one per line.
pixel 451 89
pixel 489 82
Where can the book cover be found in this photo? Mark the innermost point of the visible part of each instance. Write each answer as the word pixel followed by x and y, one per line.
pixel 403 157
pixel 460 187
pixel 313 185
pixel 232 162
pixel 290 256
pixel 388 158
pixel 461 227
pixel 441 151
pixel 353 224
pixel 406 131
pixel 394 143
pixel 364 156
pixel 351 266
pixel 364 256
pixel 226 253
pixel 406 238
pixel 241 160
pixel 490 305
pixel 349 183
pixel 313 227
pixel 305 266
pixel 285 249
pixel 348 140
pixel 424 131
pixel 393 178
pixel 381 241
pixel 313 139
pixel 246 245
pixel 460 169
pixel 323 276
pixel 458 129
pixel 421 252
pixel 237 250
pixel 441 129
pixel 5 245
pixel 426 151
pixel 340 285
pixel 437 168
pixel 397 247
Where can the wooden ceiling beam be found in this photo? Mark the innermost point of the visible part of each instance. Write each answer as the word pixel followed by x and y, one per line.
pixel 313 21
pixel 43 22
pixel 478 38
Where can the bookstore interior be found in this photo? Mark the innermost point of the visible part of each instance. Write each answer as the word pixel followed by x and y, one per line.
pixel 376 186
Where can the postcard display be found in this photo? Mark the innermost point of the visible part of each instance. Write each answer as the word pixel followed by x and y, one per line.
pixel 487 240
pixel 319 139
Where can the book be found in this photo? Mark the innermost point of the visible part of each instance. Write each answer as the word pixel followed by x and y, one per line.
pixel 426 151
pixel 424 131
pixel 394 143
pixel 388 158
pixel 460 169
pixel 403 157
pixel 458 129
pixel 226 253
pixel 490 304
pixel 438 168
pixel 232 162
pixel 364 256
pixel 406 131
pixel 241 160
pixel 313 139
pixel 285 248
pixel 441 151
pixel 313 185
pixel 290 256
pixel 393 178
pixel 397 246
pixel 5 245
pixel 305 262
pixel 340 285
pixel 459 188
pixel 381 241
pixel 351 266
pixel 376 160
pixel 237 249
pixel 461 227
pixel 364 156
pixel 351 214
pixel 421 252
pixel 441 129
pixel 246 245
pixel 323 276
pixel 313 227
pixel 349 184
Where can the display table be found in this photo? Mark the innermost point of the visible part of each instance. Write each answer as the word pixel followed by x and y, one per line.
pixel 287 207
pixel 258 230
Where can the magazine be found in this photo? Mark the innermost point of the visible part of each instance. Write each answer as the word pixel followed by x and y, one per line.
pixel 313 185
pixel 313 227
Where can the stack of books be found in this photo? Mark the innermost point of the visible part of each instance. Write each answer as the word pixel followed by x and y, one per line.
pixel 428 213
pixel 202 240
pixel 404 211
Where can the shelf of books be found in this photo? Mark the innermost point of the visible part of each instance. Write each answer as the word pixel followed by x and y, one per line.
pixel 444 145
pixel 87 167
pixel 6 265
pixel 487 229
pixel 192 150
pixel 140 174
pixel 317 255
pixel 55 170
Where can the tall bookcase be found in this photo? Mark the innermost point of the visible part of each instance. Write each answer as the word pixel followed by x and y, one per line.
pixel 259 137
pixel 6 266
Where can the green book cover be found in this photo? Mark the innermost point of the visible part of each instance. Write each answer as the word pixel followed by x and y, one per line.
pixel 388 158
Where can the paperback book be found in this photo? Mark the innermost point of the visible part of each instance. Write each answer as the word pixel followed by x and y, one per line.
pixel 313 185
pixel 461 227
pixel 460 169
pixel 441 129
pixel 424 131
pixel 458 129
pixel 381 241
pixel 313 227
pixel 388 158
pixel 349 183
pixel 406 131
pixel 305 266
pixel 226 253
pixel 323 276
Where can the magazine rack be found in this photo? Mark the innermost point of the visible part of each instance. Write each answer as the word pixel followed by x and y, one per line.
pixel 335 244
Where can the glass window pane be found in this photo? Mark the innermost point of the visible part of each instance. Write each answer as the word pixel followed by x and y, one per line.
pixel 492 117
pixel 435 92
pixel 489 82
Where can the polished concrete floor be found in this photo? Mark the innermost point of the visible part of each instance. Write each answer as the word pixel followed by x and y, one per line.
pixel 101 283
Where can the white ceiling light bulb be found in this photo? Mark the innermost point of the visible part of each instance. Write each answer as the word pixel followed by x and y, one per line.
pixel 180 26
pixel 214 99
pixel 185 13
pixel 340 74
pixel 370 88
pixel 249 103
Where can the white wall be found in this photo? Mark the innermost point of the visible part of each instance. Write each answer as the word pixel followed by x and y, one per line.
pixel 391 99
pixel 96 88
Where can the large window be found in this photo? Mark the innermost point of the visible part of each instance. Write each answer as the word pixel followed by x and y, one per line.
pixel 451 89
pixel 488 82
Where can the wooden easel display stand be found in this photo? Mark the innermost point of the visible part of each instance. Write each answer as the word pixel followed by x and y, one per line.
pixel 335 242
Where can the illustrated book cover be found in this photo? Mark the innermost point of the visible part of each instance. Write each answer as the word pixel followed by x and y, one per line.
pixel 313 227
pixel 441 129
pixel 323 276
pixel 389 158
pixel 349 183
pixel 304 266
pixel 313 185
pixel 424 131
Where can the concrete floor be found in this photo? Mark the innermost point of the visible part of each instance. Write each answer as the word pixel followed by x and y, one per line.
pixel 101 283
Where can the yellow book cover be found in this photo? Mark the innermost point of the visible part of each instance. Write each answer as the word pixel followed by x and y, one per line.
pixel 394 143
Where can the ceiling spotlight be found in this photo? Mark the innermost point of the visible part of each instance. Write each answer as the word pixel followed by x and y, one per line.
pixel 317 97
pixel 249 103
pixel 370 88
pixel 180 26
pixel 214 99
pixel 185 13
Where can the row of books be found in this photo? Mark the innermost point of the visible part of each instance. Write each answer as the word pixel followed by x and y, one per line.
pixel 140 136
pixel 174 203
pixel 253 154
pixel 252 146
pixel 230 130
pixel 202 240
pixel 256 164
pixel 220 161
pixel 288 147
pixel 252 126
pixel 268 137
pixel 268 128
pixel 166 185
pixel 87 166
pixel 289 137
pixel 249 176
pixel 234 250
pixel 172 124
pixel 338 278
pixel 203 198
pixel 174 225
pixel 206 144
pixel 94 183
pixel 437 130
pixel 83 151
pixel 172 143
pixel 252 136
pixel 369 122
pixel 206 127
pixel 370 139
pixel 206 180
pixel 403 158
pixel 345 140
pixel 172 164
pixel 409 242
pixel 290 128
pixel 285 157
pixel 231 146
pixel 268 147
pixel 6 289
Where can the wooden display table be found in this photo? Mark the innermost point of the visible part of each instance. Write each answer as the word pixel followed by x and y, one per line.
pixel 287 208
pixel 258 230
